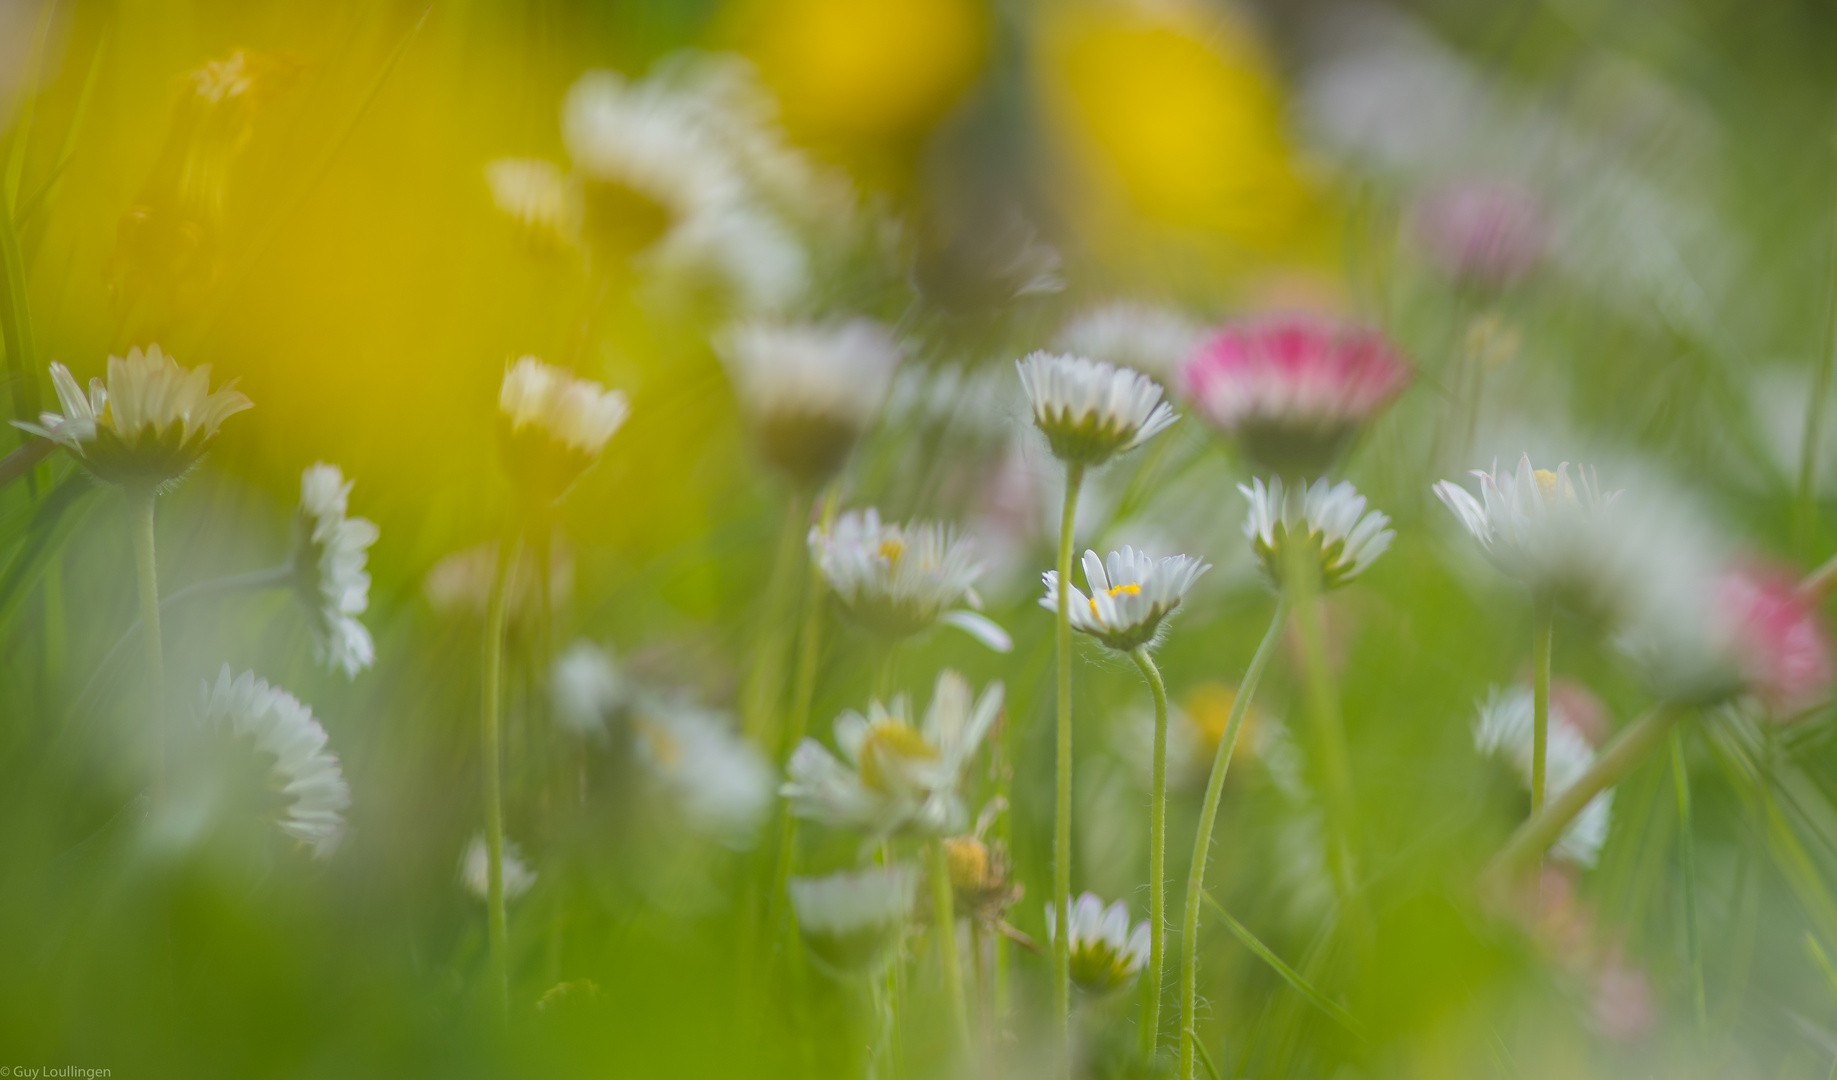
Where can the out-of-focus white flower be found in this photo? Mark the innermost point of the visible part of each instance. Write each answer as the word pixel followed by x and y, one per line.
pixel 850 919
pixel 1484 233
pixel 1091 411
pixel 721 781
pixel 894 775
pixel 1151 339
pixel 811 389
pixel 542 198
pixel 586 688
pixel 1505 726
pixel 146 426
pixel 1130 595
pixel 1293 390
pixel 554 425
pixel 330 550
pixel 475 869
pixel 898 580
pixel 1539 527
pixel 1330 517
pixel 741 256
pixel 1105 953
pixel 302 772
pixel 461 581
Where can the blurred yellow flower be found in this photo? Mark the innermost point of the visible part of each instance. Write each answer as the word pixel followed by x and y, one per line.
pixel 861 68
pixel 1170 110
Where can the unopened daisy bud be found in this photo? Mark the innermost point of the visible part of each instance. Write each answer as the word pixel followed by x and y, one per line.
pixel 474 869
pixel 810 390
pixel 1131 594
pixel 900 580
pixel 1505 727
pixel 851 919
pixel 980 878
pixel 1539 527
pixel 553 426
pixel 1329 518
pixel 299 769
pixel 1091 411
pixel 1293 390
pixel 895 775
pixel 146 426
pixel 329 553
pixel 1105 953
pixel 1486 234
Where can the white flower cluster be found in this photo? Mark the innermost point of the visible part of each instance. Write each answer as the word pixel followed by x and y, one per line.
pixel 329 557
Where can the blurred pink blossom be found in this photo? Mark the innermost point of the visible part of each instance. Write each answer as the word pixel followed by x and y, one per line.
pixel 1485 233
pixel 1782 648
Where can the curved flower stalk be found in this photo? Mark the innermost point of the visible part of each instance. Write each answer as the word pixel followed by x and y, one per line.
pixel 894 776
pixel 899 580
pixel 1292 391
pixel 1505 727
pixel 474 869
pixel 720 781
pixel 1150 338
pixel 303 772
pixel 1328 520
pixel 1131 597
pixel 1105 952
pixel 330 550
pixel 811 389
pixel 850 920
pixel 553 426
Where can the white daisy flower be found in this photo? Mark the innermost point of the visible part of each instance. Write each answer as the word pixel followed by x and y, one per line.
pixel 1106 954
pixel 1538 527
pixel 739 255
pixel 1150 338
pixel 1131 594
pixel 543 199
pixel 1505 726
pixel 894 775
pixel 586 687
pixel 1327 515
pixel 1091 411
pixel 898 580
pixel 851 919
pixel 474 869
pixel 328 567
pixel 811 389
pixel 146 426
pixel 555 425
pixel 720 780
pixel 303 772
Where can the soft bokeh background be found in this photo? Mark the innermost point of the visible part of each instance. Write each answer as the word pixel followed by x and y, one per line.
pixel 336 248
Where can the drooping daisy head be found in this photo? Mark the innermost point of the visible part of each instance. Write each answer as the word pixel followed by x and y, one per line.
pixel 329 553
pixel 587 688
pixel 475 869
pixel 1505 727
pixel 146 426
pixel 1132 592
pixel 1329 518
pixel 898 580
pixel 851 919
pixel 811 389
pixel 1539 527
pixel 552 426
pixel 1151 339
pixel 894 775
pixel 543 200
pixel 1483 233
pixel 1091 411
pixel 305 785
pixel 1105 953
pixel 717 778
pixel 1293 390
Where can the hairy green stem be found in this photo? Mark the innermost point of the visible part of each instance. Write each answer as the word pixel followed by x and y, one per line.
pixel 1062 788
pixel 1202 840
pixel 146 564
pixel 497 927
pixel 944 917
pixel 1149 1029
pixel 1541 620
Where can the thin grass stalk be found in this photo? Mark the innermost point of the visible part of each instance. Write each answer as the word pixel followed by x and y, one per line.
pixel 1149 1029
pixel 1542 612
pixel 1062 790
pixel 141 504
pixel 944 919
pixel 497 926
pixel 1202 839
pixel 1687 860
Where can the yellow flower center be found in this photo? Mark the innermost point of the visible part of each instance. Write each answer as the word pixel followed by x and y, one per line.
pixel 1546 485
pixel 663 745
pixel 890 745
pixel 968 860
pixel 1131 589
pixel 891 549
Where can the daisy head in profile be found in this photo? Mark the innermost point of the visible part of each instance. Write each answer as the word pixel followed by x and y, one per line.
pixel 1292 391
pixel 851 919
pixel 1132 593
pixel 900 580
pixel 474 869
pixel 1541 528
pixel 146 426
pixel 329 553
pixel 301 784
pixel 1091 411
pixel 552 426
pixel 810 390
pixel 1328 520
pixel 1105 952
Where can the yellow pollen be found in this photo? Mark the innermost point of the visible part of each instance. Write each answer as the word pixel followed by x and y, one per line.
pixel 891 549
pixel 1117 590
pixel 888 746
pixel 1546 485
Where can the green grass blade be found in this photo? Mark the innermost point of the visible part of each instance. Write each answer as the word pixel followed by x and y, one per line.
pixel 31 205
pixel 1205 1058
pixel 1687 858
pixel 1289 975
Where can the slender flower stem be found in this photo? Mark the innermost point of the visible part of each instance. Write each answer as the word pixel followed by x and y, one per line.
pixel 944 917
pixel 498 929
pixel 146 564
pixel 1062 800
pixel 1687 858
pixel 1202 840
pixel 1628 749
pixel 1541 620
pixel 1150 1027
